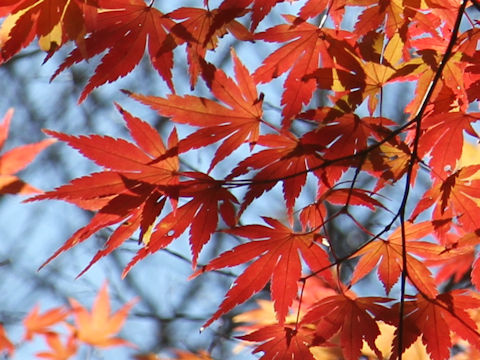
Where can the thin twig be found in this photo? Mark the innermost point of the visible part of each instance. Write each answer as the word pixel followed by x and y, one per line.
pixel 413 159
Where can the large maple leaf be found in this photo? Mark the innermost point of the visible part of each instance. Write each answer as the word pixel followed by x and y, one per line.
pixel 352 317
pixel 123 27
pixel 131 191
pixel 15 160
pixel 98 327
pixel 434 319
pixel 237 122
pixel 277 250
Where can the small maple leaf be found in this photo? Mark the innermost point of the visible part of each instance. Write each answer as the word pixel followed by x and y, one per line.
pixel 36 323
pixel 58 349
pixel 278 250
pixel 388 254
pixel 15 160
pixel 99 327
pixel 5 344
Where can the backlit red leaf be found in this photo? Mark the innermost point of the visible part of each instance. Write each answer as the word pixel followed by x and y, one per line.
pixel 279 252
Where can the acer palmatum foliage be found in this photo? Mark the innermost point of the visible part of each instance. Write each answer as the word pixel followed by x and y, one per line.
pixel 332 134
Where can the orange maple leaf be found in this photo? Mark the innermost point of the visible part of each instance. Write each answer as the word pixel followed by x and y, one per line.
pixel 36 323
pixel 5 343
pixel 99 327
pixel 388 254
pixel 58 350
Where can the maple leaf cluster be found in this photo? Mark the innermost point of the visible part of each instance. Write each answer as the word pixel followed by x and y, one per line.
pixel 97 328
pixel 348 141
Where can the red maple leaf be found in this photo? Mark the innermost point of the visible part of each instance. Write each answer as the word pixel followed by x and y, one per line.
pixel 237 122
pixel 130 192
pixel 352 317
pixel 445 131
pixel 278 250
pixel 123 28
pixel 334 9
pixel 307 45
pixel 259 9
pixel 434 319
pixel 314 215
pixel 209 199
pixel 454 196
pixel 53 21
pixel 282 342
pixel 201 30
